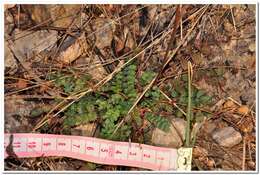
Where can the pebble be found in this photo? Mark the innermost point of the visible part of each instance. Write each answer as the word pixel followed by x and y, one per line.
pixel 86 130
pixel 11 65
pixel 252 47
pixel 227 136
pixel 170 139
pixel 228 27
pixel 243 110
pixel 209 127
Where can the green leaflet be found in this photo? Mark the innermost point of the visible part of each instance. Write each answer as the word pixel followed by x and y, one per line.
pixel 160 122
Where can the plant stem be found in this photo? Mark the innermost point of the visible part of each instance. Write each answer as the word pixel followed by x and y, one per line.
pixel 188 116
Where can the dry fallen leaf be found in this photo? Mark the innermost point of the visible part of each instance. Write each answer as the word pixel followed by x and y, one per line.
pixel 246 125
pixel 21 84
pixel 229 104
pixel 8 6
pixel 199 152
pixel 44 87
pixel 211 163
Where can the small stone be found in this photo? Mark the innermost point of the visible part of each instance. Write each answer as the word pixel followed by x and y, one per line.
pixel 243 110
pixel 251 164
pixel 228 27
pixel 211 163
pixel 72 49
pixel 227 137
pixel 235 116
pixel 104 32
pixel 86 130
pixel 173 138
pixel 252 47
pixel 209 127
pixel 32 44
pixel 10 62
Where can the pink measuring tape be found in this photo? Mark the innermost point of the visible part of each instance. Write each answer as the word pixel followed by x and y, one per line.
pixel 98 151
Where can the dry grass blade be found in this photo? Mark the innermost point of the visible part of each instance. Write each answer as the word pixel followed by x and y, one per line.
pixel 174 104
pixel 165 64
pixel 233 19
pixel 197 69
pixel 244 154
pixel 175 27
pixel 189 107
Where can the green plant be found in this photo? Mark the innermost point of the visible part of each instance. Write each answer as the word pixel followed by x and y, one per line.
pixel 81 112
pixel 112 102
pixel 147 77
pixel 121 93
pixel 160 122
pixel 185 94
pixel 189 107
pixel 70 83
pixel 179 92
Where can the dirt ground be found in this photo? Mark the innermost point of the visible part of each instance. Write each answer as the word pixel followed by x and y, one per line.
pixel 96 40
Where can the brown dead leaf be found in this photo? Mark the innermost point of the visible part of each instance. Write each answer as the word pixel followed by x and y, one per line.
pixel 119 45
pixel 246 125
pixel 73 51
pixel 211 163
pixel 21 84
pixel 199 152
pixel 112 8
pixel 8 6
pixel 229 104
pixel 44 88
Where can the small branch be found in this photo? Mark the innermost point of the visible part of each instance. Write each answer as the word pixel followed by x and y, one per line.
pixel 244 154
pixel 233 19
pixel 174 104
pixel 181 22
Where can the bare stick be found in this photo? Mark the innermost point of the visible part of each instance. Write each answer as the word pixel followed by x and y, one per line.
pixel 233 19
pixel 244 154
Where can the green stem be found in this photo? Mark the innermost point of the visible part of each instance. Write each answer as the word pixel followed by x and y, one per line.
pixel 188 116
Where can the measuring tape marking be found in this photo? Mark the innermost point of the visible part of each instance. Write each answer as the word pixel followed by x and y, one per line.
pixel 94 150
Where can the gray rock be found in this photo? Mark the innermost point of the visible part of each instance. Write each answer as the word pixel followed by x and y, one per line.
pixel 87 130
pixel 252 47
pixel 10 62
pixel 209 127
pixel 174 138
pixel 16 112
pixel 227 137
pixel 27 44
pixel 104 32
